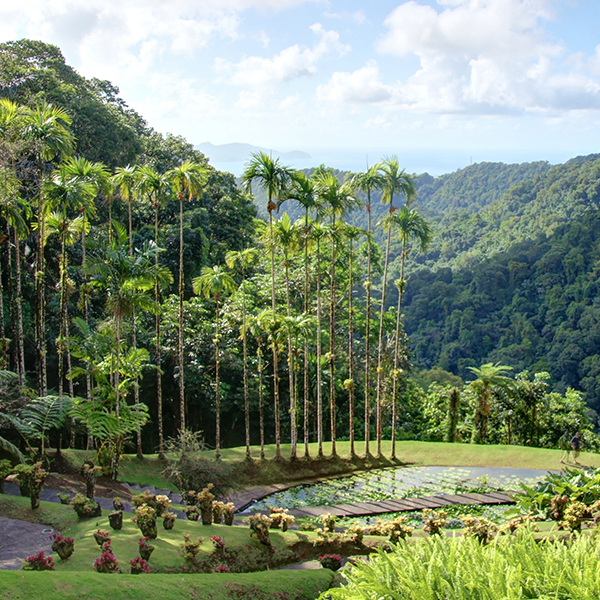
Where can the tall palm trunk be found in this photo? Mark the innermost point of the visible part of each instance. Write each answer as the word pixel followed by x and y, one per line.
pixel 180 321
pixel 159 416
pixel 217 384
pixel 260 367
pixel 89 390
pixel 245 359
pixel 274 345
pixel 40 292
pixel 63 318
pixel 379 398
pixel 396 372
pixel 368 331
pixel 14 354
pixel 332 347
pixel 293 425
pixel 136 385
pixel 306 397
pixel 351 351
pixel 319 396
pixel 19 309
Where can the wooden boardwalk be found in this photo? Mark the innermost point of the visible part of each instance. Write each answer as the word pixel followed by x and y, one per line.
pixel 364 509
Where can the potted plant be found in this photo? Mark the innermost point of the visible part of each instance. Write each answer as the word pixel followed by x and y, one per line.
pixel 106 563
pixel 169 519
pixel 163 503
pixel 331 561
pixel 63 546
pixel 217 510
pixel 90 474
pixel 228 509
pixel 146 549
pixel 6 469
pixel 116 519
pixel 85 508
pixel 38 562
pixel 64 498
pixel 31 479
pixel 191 512
pixel 145 518
pixel 139 565
pixel 102 537
pixel 205 502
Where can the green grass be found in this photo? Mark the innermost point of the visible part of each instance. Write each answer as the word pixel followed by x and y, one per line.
pixel 59 516
pixel 286 585
pixel 248 553
pixel 147 471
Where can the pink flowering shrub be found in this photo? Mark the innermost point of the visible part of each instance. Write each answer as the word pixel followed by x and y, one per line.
pixel 331 561
pixel 38 562
pixel 139 565
pixel 106 563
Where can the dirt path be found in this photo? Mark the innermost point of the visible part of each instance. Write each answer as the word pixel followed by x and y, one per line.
pixel 21 539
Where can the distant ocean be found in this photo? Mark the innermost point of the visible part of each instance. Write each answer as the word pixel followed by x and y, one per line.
pixel 434 162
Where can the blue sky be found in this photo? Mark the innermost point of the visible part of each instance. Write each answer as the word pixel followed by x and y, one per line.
pixel 441 83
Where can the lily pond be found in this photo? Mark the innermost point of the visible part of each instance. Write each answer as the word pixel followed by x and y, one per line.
pixel 402 482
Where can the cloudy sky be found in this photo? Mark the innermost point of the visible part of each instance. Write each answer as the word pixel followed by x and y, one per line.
pixel 446 80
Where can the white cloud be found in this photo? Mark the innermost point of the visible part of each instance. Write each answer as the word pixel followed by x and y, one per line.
pixel 485 56
pixel 291 63
pixel 359 17
pixel 361 86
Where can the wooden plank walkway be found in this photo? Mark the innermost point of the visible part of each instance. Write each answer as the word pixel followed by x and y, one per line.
pixel 363 509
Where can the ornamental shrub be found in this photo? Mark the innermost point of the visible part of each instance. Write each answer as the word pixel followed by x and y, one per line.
pixel 63 546
pixel 138 565
pixel 433 521
pixel 106 563
pixel 38 562
pixel 331 561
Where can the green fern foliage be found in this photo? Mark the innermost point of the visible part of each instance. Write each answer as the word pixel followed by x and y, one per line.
pixel 510 568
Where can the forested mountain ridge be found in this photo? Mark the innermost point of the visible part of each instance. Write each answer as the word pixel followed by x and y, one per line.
pixel 517 283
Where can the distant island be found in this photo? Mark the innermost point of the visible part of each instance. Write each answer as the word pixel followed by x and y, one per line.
pixel 238 152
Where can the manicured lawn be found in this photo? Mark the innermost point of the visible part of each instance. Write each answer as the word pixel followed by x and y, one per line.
pixel 147 471
pixel 88 585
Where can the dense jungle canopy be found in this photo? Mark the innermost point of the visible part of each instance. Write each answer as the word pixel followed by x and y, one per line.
pixel 135 275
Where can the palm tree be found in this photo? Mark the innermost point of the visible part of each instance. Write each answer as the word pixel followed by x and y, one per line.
pixel 318 232
pixel 187 180
pixel 335 199
pixel 254 326
pixel 245 258
pixel 46 128
pixel 127 280
pixel 274 178
pixel 488 376
pixel 68 230
pixel 97 175
pixel 70 196
pixel 394 181
pixel 351 234
pixel 367 182
pixel 286 237
pixel 156 188
pixel 303 192
pixel 212 283
pixel 125 180
pixel 270 322
pixel 295 327
pixel 14 210
pixel 409 225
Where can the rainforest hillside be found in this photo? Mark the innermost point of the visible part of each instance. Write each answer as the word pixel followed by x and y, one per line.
pixel 509 276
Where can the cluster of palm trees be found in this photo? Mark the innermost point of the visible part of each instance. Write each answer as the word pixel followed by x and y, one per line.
pixel 46 194
pixel 46 191
pixel 326 202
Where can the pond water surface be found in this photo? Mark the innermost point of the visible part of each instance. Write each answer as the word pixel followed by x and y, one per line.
pixel 401 482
